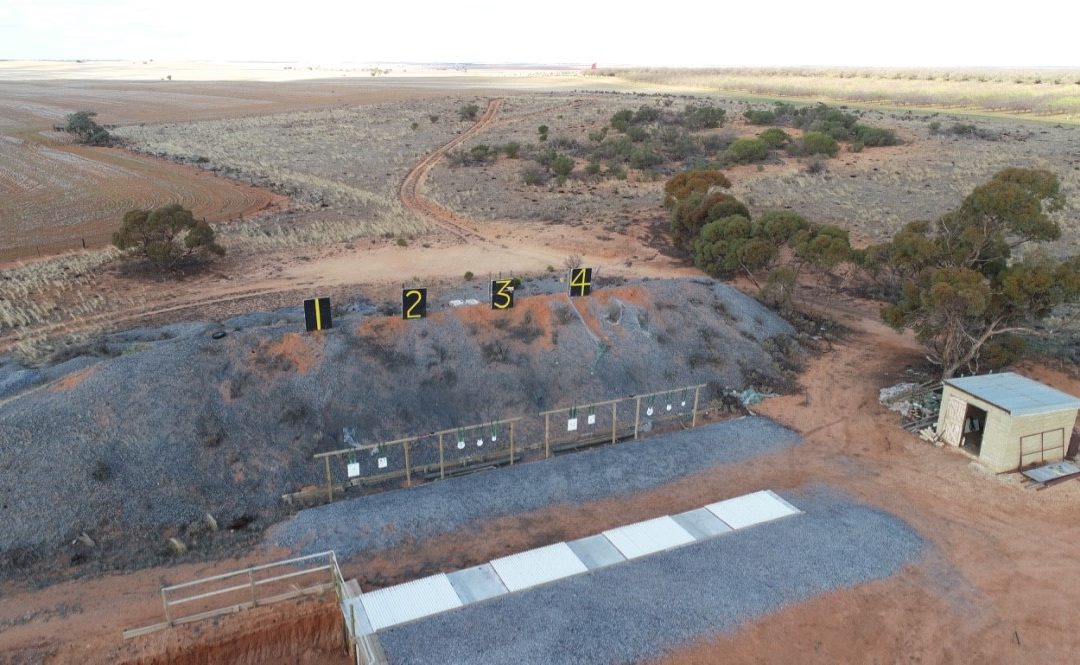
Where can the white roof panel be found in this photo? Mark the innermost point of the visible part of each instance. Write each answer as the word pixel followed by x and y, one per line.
pixel 648 537
pixel 409 601
pixel 751 509
pixel 533 567
pixel 1016 394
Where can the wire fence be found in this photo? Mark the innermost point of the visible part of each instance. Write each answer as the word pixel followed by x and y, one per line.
pixel 465 449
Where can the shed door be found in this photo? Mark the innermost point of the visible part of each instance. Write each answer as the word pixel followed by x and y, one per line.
pixel 953 425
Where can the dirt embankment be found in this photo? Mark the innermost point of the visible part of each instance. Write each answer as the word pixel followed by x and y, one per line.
pixel 308 633
pixel 173 424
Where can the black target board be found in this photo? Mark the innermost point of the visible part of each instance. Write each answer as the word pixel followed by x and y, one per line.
pixel 413 303
pixel 502 293
pixel 317 314
pixel 580 282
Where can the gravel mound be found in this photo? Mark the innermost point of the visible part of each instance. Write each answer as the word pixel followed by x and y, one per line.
pixel 641 609
pixel 150 429
pixel 376 522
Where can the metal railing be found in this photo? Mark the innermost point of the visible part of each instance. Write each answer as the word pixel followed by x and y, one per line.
pixel 247 588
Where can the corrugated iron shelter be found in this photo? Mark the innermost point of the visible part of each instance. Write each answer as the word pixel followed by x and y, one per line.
pixel 1006 420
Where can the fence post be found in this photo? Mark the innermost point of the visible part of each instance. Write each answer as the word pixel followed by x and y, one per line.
pixel 697 393
pixel 329 482
pixel 442 468
pixel 547 436
pixel 352 634
pixel 637 415
pixel 511 443
pixel 408 469
pixel 614 419
pixel 165 604
pixel 251 581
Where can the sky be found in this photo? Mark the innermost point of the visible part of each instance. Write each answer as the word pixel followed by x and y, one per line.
pixel 907 33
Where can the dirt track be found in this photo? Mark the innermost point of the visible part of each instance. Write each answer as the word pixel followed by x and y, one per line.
pixel 411 191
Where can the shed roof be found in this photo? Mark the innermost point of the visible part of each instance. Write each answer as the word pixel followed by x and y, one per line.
pixel 1017 394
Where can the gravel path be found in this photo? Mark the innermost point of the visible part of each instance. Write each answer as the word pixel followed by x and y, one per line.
pixel 638 610
pixel 380 521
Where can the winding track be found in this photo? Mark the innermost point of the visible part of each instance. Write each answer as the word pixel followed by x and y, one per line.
pixel 412 196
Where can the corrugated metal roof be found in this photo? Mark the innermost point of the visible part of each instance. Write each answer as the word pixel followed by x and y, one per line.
pixel 648 537
pixel 409 601
pixel 533 567
pixel 1045 474
pixel 751 509
pixel 1016 394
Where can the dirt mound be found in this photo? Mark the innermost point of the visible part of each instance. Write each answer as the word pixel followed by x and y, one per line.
pixel 179 424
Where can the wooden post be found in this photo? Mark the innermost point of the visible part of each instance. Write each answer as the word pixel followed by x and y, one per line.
pixel 329 481
pixel 614 419
pixel 251 581
pixel 511 443
pixel 352 635
pixel 697 393
pixel 408 469
pixel 442 467
pixel 165 604
pixel 547 435
pixel 637 415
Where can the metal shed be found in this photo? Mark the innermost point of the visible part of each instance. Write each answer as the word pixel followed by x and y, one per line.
pixel 1006 420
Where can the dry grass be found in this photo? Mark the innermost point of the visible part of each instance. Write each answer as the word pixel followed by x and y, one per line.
pixel 348 162
pixel 1051 92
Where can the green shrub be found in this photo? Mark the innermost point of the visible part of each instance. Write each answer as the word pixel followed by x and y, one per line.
pixel 744 151
pixel 402 242
pixel 856 146
pixel 637 134
pixel 414 126
pixel 433 118
pixel 469 276
pixel 468 112
pixel 774 137
pixel 621 119
pixel 780 226
pixel 593 167
pixel 874 136
pixel 716 142
pixel 675 143
pixel 615 171
pixel 814 143
pixel 644 157
pixel 759 117
pixel 562 165
pixel 511 149
pixel 705 116
pixel 689 215
pixel 645 114
pixel 534 176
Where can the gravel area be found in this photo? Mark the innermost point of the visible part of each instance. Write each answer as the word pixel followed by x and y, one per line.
pixel 380 521
pixel 638 610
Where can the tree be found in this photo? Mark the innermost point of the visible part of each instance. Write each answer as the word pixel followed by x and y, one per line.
pixel 166 236
pixel 681 185
pixel 690 215
pixel 955 281
pixel 774 137
pixel 82 125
